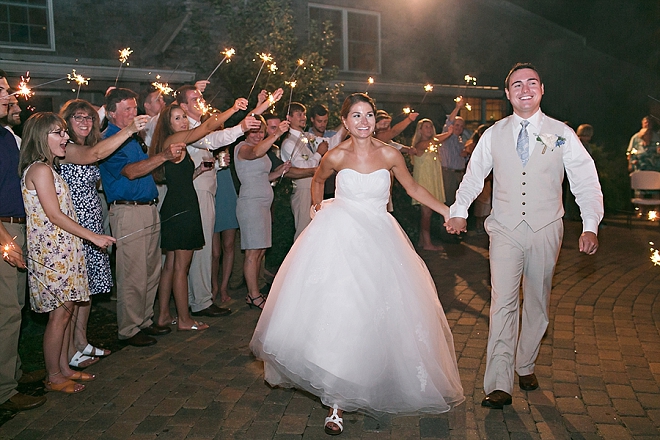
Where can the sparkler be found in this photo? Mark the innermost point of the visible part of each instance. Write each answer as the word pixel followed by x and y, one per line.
pixel 653 216
pixel 163 88
pixel 265 57
pixel 293 84
pixel 655 255
pixel 427 89
pixel 469 80
pixel 300 63
pixel 407 110
pixel 152 225
pixel 23 88
pixel 123 57
pixel 228 53
pixel 79 79
pixel 370 81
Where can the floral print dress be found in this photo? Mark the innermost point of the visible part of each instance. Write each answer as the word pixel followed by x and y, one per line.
pixel 82 180
pixel 56 260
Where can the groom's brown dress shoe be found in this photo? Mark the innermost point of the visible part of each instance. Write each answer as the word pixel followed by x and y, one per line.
pixel 497 399
pixel 528 382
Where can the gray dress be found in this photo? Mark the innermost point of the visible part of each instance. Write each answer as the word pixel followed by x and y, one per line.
pixel 254 200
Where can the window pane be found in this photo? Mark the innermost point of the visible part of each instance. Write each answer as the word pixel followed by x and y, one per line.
pixel 322 15
pixel 18 14
pixel 19 33
pixel 38 16
pixel 39 35
pixel 494 109
pixel 4 14
pixel 4 32
pixel 362 27
pixel 362 57
pixel 38 2
pixel 475 113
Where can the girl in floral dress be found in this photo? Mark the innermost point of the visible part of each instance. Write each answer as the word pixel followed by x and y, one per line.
pixel 57 273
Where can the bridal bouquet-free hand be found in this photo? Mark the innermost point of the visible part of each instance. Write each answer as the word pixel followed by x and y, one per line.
pixel 550 140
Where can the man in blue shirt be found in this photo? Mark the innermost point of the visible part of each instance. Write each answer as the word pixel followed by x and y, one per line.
pixel 132 195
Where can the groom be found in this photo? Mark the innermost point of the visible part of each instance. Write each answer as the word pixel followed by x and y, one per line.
pixel 527 152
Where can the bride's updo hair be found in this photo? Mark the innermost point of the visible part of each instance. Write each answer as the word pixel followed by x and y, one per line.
pixel 353 99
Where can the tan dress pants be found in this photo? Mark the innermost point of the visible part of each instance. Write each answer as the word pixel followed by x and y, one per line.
pixel 12 300
pixel 515 255
pixel 138 265
pixel 301 202
pixel 200 293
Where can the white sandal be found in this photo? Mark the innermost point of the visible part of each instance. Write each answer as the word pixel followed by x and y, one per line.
pixel 92 351
pixel 78 359
pixel 334 418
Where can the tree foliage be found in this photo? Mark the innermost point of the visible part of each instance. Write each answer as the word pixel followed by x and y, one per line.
pixel 269 27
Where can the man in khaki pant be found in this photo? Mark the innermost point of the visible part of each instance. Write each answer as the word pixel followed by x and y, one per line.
pixel 528 153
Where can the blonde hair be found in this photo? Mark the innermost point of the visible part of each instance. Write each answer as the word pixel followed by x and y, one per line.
pixel 418 131
pixel 34 147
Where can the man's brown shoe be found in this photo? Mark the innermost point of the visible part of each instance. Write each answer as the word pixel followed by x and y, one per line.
pixel 212 311
pixel 140 339
pixel 497 399
pixel 22 402
pixel 528 382
pixel 32 376
pixel 156 330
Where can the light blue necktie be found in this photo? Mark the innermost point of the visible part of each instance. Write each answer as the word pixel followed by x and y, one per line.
pixel 522 146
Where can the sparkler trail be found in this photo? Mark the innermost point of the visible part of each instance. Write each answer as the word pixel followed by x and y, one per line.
pixel 264 57
pixel 228 53
pixel 154 224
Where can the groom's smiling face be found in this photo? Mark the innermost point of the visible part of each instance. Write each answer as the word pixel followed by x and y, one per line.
pixel 525 91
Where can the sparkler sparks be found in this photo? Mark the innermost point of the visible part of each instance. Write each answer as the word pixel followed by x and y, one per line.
pixel 23 88
pixel 468 106
pixel 300 62
pixel 293 84
pixel 79 79
pixel 163 88
pixel 653 216
pixel 655 257
pixel 272 68
pixel 370 81
pixel 407 110
pixel 123 57
pixel 228 53
pixel 265 57
pixel 470 80
pixel 427 89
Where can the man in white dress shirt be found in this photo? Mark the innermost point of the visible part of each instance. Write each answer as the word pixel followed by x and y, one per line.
pixel 200 296
pixel 304 155
pixel 528 153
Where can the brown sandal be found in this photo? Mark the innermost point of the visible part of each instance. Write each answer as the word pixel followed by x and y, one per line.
pixel 81 376
pixel 68 387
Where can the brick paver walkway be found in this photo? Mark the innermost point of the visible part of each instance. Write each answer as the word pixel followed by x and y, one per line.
pixel 599 366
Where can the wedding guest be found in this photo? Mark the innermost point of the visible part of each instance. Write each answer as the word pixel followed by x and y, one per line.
pixel 181 222
pixel 428 172
pixel 253 168
pixel 57 272
pixel 359 324
pixel 83 130
pixel 131 192
pixel 525 226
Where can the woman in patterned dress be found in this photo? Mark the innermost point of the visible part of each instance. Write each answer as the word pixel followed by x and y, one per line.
pixel 58 277
pixel 83 129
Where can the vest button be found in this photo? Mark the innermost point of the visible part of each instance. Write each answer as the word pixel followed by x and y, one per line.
pixel 524 194
pixel 524 173
pixel 524 203
pixel 524 183
pixel 523 213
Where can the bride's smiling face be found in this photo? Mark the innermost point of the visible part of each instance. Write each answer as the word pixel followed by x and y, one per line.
pixel 361 120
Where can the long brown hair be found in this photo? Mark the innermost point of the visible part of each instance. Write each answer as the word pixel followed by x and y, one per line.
pixel 162 131
pixel 34 147
pixel 67 112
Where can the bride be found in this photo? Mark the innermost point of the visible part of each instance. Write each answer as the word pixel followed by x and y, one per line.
pixel 353 315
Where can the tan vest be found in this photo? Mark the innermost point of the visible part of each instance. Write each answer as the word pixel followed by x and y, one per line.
pixel 532 194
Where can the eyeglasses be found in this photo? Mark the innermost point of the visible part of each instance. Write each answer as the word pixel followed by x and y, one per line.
pixel 62 133
pixel 79 119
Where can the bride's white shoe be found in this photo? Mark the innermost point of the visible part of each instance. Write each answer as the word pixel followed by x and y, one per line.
pixel 334 418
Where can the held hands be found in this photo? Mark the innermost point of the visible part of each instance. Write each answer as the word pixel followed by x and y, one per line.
pixel 322 148
pixel 249 123
pixel 201 85
pixel 138 124
pixel 456 225
pixel 277 95
pixel 282 128
pixel 262 97
pixel 240 104
pixel 13 255
pixel 103 241
pixel 588 243
pixel 175 152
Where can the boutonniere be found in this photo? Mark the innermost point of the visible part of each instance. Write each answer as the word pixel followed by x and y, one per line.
pixel 550 140
pixel 304 156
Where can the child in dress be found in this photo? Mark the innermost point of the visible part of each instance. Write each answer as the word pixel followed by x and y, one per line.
pixel 57 273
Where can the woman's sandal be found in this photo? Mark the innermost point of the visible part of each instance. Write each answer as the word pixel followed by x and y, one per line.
pixel 80 360
pixel 196 326
pixel 92 351
pixel 81 376
pixel 257 302
pixel 68 387
pixel 334 418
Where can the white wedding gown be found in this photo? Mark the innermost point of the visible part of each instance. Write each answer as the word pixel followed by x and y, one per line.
pixel 353 315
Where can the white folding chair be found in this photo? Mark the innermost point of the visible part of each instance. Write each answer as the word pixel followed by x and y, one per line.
pixel 645 181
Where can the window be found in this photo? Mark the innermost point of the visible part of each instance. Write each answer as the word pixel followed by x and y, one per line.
pixel 494 110
pixel 27 24
pixel 357 37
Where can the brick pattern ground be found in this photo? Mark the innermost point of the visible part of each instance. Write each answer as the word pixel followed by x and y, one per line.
pixel 599 366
